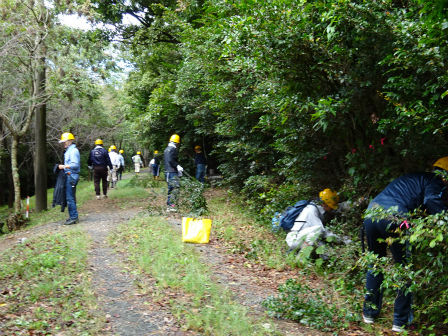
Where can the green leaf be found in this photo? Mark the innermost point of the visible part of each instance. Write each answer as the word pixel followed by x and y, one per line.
pixel 320 250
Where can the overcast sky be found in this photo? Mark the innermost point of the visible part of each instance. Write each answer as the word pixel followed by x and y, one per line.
pixel 76 21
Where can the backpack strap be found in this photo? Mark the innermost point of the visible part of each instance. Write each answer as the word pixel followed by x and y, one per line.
pixel 318 213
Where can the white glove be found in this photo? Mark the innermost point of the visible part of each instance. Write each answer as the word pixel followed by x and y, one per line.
pixel 90 167
pixel 180 169
pixel 179 173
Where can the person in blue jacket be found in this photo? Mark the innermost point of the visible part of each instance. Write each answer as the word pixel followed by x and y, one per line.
pixel 99 160
pixel 200 161
pixel 71 167
pixel 408 193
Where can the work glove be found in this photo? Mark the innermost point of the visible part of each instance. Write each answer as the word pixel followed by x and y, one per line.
pixel 179 173
pixel 180 169
pixel 90 167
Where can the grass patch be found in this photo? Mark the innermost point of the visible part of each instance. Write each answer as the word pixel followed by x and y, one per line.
pixel 206 307
pixel 45 287
pixel 241 232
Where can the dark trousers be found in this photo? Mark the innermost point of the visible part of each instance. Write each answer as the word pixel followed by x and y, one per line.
pixel 376 229
pixel 100 174
pixel 172 179
pixel 200 172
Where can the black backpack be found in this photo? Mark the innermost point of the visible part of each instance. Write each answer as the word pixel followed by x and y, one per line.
pixel 290 214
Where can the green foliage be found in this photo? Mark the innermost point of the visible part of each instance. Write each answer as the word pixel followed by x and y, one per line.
pixel 191 201
pixel 426 271
pixel 311 306
pixel 265 196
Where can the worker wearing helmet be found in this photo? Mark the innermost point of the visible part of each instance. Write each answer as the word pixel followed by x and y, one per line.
pixel 308 226
pixel 114 159
pixel 172 169
pixel 155 164
pixel 122 165
pixel 99 161
pixel 200 161
pixel 406 194
pixel 138 162
pixel 71 167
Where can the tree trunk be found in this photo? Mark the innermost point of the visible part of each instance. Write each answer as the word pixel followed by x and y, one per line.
pixel 10 183
pixel 15 174
pixel 40 162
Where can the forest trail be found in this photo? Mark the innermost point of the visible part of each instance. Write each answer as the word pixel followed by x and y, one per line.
pixel 130 311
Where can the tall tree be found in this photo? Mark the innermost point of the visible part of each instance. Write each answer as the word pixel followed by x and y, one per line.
pixel 43 18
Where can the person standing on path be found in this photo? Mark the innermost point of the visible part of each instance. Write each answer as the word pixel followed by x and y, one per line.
pixel 200 161
pixel 115 165
pixel 71 167
pixel 122 164
pixel 99 160
pixel 138 162
pixel 407 193
pixel 172 169
pixel 156 165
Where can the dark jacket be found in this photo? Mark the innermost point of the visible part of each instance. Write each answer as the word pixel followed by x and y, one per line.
pixel 170 159
pixel 99 157
pixel 411 191
pixel 156 160
pixel 59 197
pixel 199 158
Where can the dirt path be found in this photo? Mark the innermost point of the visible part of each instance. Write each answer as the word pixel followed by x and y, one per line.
pixel 250 283
pixel 128 312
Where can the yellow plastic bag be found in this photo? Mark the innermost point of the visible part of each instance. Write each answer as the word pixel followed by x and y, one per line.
pixel 196 230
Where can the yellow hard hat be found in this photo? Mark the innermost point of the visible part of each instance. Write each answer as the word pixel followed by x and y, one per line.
pixel 121 151
pixel 442 163
pixel 99 142
pixel 113 147
pixel 197 147
pixel 66 136
pixel 330 198
pixel 138 153
pixel 175 138
pixel 156 152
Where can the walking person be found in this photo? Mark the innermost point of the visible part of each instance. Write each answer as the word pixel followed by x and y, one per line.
pixel 406 193
pixel 156 166
pixel 200 161
pixel 71 167
pixel 122 164
pixel 138 162
pixel 99 160
pixel 172 169
pixel 113 155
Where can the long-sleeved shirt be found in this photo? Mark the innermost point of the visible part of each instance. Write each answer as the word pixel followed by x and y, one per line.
pixel 137 159
pixel 411 191
pixel 121 159
pixel 199 158
pixel 170 158
pixel 72 159
pixel 99 157
pixel 114 158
